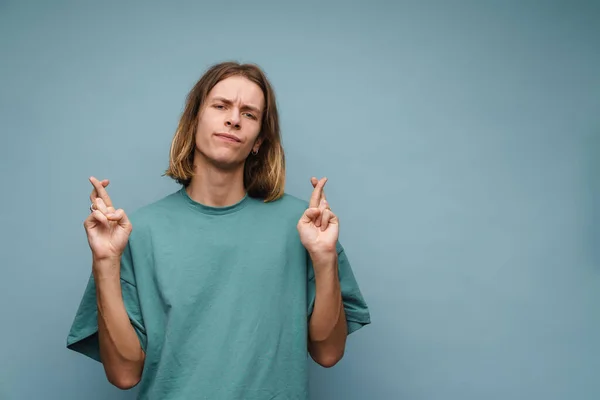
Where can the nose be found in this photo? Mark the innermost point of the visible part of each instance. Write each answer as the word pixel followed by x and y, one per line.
pixel 233 120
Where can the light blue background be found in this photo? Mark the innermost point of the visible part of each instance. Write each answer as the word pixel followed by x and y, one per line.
pixel 461 140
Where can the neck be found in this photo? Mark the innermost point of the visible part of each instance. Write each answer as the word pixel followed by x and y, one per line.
pixel 216 187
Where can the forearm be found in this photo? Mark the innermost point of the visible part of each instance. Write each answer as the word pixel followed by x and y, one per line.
pixel 120 348
pixel 327 325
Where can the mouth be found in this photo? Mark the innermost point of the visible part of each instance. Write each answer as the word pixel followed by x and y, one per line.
pixel 228 137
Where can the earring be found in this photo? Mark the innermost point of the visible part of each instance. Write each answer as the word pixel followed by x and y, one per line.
pixel 254 152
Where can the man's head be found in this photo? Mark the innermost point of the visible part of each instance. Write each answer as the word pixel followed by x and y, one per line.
pixel 230 121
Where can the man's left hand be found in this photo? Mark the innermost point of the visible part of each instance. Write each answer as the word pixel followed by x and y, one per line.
pixel 319 226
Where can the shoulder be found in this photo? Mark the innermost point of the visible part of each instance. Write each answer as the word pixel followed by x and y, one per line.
pixel 286 210
pixel 292 202
pixel 155 211
pixel 286 204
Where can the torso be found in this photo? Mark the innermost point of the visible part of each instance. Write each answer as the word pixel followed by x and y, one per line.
pixel 223 297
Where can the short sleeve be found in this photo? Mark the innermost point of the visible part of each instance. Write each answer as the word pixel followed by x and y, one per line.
pixel 357 311
pixel 83 335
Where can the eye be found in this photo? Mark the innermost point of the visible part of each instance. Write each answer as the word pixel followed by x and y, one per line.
pixel 219 106
pixel 250 115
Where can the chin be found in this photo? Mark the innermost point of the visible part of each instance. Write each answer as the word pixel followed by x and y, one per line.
pixel 227 165
pixel 221 157
pixel 225 161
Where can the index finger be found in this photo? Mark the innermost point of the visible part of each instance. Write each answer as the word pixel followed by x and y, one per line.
pixel 315 182
pixel 317 193
pixel 102 193
pixel 94 194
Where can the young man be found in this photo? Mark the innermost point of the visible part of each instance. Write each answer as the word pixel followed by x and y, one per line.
pixel 218 290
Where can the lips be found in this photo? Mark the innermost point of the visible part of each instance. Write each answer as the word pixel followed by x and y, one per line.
pixel 228 137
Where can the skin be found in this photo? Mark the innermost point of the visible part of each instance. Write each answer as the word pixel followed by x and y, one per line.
pixel 319 232
pixel 233 107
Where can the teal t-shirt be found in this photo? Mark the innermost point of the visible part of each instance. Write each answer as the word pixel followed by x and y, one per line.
pixel 220 298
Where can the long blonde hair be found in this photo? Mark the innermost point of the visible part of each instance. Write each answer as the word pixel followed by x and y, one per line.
pixel 264 173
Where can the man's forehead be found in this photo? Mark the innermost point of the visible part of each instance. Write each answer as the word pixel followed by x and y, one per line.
pixel 240 90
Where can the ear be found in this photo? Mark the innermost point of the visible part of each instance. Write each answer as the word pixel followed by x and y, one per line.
pixel 257 144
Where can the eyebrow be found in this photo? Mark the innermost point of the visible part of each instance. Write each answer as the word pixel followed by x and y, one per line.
pixel 244 106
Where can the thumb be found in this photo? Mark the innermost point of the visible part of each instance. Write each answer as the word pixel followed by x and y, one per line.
pixel 120 217
pixel 311 214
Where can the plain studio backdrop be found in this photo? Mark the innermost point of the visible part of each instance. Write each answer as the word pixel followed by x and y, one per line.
pixel 461 140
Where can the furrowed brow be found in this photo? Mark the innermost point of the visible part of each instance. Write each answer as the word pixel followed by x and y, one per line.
pixel 244 107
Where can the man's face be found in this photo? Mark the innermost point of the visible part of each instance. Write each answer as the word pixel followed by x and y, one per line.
pixel 229 122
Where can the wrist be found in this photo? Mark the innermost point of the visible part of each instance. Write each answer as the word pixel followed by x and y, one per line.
pixel 106 259
pixel 106 267
pixel 322 256
pixel 324 262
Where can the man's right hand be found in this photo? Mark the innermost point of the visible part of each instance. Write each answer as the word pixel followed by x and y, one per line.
pixel 107 229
